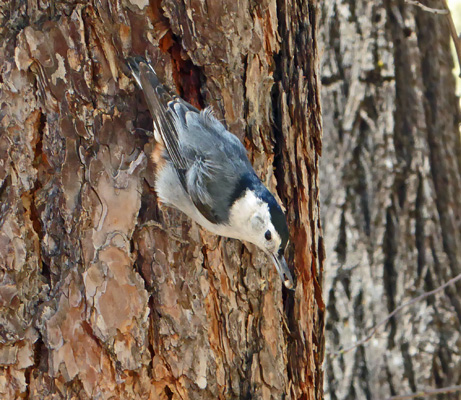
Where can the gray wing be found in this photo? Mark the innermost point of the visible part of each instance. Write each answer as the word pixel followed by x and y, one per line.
pixel 220 163
pixel 208 159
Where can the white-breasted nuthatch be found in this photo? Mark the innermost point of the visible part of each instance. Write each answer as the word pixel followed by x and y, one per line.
pixel 206 173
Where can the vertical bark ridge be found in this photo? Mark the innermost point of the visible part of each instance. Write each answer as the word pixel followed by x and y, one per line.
pixel 389 177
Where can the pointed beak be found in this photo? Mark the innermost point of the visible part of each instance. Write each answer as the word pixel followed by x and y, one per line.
pixel 283 270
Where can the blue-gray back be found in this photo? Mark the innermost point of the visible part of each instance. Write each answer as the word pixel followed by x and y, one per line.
pixel 218 162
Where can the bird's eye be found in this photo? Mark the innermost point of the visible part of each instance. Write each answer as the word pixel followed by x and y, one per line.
pixel 268 235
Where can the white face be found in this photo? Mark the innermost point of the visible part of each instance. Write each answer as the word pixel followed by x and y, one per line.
pixel 252 217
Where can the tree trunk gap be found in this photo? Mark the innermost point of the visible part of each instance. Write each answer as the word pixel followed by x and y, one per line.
pixel 390 189
pixel 105 296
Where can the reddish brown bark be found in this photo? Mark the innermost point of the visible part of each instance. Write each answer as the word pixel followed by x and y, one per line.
pixel 103 295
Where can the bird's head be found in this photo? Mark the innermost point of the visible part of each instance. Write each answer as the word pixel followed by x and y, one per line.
pixel 263 223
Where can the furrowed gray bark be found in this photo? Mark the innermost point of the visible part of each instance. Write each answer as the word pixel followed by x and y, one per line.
pixel 103 295
pixel 391 189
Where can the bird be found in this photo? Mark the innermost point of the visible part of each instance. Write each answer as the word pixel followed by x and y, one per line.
pixel 206 173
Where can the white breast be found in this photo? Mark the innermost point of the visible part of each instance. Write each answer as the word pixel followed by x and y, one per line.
pixel 170 192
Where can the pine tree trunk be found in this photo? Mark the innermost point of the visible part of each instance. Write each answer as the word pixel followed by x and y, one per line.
pixel 391 190
pixel 103 295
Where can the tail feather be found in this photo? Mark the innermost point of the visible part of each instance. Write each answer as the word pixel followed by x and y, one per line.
pixel 141 67
pixel 158 98
pixel 133 64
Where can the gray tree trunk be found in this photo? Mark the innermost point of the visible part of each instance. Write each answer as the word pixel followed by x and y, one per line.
pixel 391 198
pixel 103 295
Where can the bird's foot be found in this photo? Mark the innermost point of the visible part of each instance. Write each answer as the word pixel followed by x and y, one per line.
pixel 145 131
pixel 167 229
